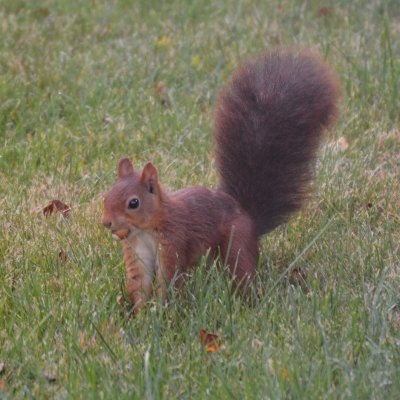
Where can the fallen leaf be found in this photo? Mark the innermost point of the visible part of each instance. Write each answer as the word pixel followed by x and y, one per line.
pixel 160 87
pixel 210 340
pixel 162 93
pixel 42 12
pixel 2 367
pixel 50 376
pixel 372 207
pixel 211 348
pixel 107 120
pixel 2 384
pixel 62 256
pixel 257 344
pixel 163 41
pixel 55 283
pixel 342 144
pixel 207 337
pixel 297 276
pixel 325 12
pixel 284 373
pixel 57 205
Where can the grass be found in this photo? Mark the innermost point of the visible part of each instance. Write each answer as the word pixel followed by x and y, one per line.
pixel 77 89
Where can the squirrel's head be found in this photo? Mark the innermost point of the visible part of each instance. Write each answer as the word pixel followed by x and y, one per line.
pixel 134 202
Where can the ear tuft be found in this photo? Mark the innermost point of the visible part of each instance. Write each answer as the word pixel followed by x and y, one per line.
pixel 125 167
pixel 149 177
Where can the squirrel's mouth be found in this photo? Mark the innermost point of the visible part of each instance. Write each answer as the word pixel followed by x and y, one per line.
pixel 121 234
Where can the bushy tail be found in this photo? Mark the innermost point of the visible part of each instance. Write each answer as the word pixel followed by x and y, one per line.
pixel 268 126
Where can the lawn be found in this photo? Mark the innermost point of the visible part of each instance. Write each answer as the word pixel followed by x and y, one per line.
pixel 83 84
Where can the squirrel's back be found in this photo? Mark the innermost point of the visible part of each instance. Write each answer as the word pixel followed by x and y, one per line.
pixel 268 127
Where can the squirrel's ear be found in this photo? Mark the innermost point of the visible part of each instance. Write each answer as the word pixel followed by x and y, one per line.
pixel 125 167
pixel 149 177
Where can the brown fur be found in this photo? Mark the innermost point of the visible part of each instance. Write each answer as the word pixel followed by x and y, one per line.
pixel 269 123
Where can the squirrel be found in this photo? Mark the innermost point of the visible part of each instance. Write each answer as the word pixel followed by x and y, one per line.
pixel 269 122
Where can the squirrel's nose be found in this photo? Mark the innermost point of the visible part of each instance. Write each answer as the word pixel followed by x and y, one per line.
pixel 107 224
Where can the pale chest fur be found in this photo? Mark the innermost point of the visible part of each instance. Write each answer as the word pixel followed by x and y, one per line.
pixel 142 249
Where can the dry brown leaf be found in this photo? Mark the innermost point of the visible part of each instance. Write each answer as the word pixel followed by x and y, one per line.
pixel 62 255
pixel 297 276
pixel 57 205
pixel 374 208
pixel 163 41
pixel 162 93
pixel 257 344
pixel 211 348
pixel 55 283
pixel 210 340
pixel 107 120
pixel 325 12
pixel 2 384
pixel 284 373
pixel 50 376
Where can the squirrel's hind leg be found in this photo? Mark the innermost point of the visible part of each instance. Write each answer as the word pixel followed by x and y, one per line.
pixel 240 250
pixel 168 269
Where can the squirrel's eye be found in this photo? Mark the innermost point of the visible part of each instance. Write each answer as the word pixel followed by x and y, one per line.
pixel 134 203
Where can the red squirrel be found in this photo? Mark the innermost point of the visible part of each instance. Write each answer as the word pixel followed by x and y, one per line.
pixel 269 122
